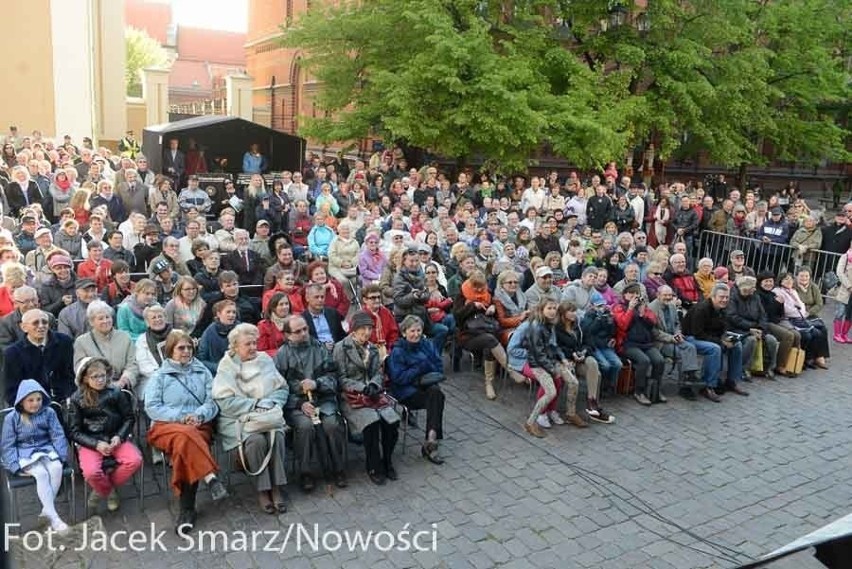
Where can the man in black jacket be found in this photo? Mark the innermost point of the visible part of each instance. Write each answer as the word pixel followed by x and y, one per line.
pixel 746 316
pixel 685 223
pixel 706 326
pixel 45 356
pixel 599 209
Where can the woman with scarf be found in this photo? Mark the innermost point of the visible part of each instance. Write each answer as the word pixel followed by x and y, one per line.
pixel 510 303
pixel 478 329
pixel 385 329
pixel 150 345
pixel 247 382
pixel 104 341
pixel 371 260
pixel 61 190
pixel 737 224
pixel 129 316
pixel 814 336
pixel 214 341
pixel 271 328
pixel 179 402
pixel 185 308
pixel 662 223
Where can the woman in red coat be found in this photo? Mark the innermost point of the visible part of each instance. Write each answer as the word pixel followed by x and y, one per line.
pixel 334 296
pixel 271 327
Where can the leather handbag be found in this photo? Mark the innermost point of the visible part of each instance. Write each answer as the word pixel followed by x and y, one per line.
pixel 430 379
pixel 482 324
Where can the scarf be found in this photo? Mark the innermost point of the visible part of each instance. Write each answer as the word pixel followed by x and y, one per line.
pixel 62 184
pixel 154 338
pixel 277 322
pixel 134 305
pixel 513 305
pixel 472 295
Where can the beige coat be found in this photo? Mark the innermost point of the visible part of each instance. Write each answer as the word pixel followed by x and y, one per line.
pixel 844 272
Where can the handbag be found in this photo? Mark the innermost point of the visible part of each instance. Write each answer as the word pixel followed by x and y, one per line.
pixel 357 400
pixel 830 281
pixel 254 422
pixel 482 324
pixel 430 379
pixel 756 364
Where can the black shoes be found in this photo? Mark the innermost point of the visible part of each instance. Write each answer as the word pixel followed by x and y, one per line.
pixel 185 521
pixel 390 473
pixel 710 394
pixel 376 477
pixel 340 480
pixel 217 490
pixel 429 451
pixel 688 393
pixel 307 483
pixel 733 387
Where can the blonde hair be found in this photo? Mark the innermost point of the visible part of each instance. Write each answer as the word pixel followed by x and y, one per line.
pixel 14 273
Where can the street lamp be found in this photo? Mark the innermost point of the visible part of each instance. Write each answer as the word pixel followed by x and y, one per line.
pixel 643 23
pixel 617 15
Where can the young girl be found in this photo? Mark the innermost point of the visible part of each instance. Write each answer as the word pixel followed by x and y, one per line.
pixel 101 420
pixel 34 445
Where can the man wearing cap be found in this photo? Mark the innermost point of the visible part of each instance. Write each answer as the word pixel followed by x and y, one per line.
pixel 144 253
pixel 543 288
pixel 58 291
pixel 43 355
pixel 775 229
pixel 129 145
pixel 36 260
pixel 72 319
pixel 25 237
pixel 260 242
pixel 737 267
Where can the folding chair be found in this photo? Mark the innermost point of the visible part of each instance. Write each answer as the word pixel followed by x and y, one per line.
pixel 16 482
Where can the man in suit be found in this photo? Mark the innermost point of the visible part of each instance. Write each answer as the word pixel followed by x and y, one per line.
pixel 174 163
pixel 245 262
pixel 324 323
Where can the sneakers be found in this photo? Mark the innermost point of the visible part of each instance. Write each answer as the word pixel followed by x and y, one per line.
pixel 113 501
pixel 534 430
pixel 555 418
pixel 156 455
pixel 595 413
pixel 543 421
pixel 57 525
pixel 642 399
pixel 217 489
pixel 577 421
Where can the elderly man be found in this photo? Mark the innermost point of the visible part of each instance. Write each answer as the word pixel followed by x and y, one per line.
pixel 683 283
pixel 244 261
pixel 72 319
pixel 685 223
pixel 58 291
pixel 543 288
pixel 324 324
pixel 747 316
pixel 42 355
pixel 133 193
pixel 313 381
pixel 631 276
pixel 171 255
pixel 226 235
pixel 670 338
pixel 706 326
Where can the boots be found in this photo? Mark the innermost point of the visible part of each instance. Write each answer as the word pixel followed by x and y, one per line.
pixel 500 355
pixel 839 337
pixel 489 366
pixel 844 331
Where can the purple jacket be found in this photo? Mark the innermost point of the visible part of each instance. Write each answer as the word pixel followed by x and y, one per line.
pixel 652 283
pixel 371 265
pixel 608 293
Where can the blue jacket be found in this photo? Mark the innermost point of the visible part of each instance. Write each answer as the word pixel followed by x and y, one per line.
pixel 253 164
pixel 516 351
pixel 213 345
pixel 43 432
pixel 52 367
pixel 319 238
pixel 175 391
pixel 408 362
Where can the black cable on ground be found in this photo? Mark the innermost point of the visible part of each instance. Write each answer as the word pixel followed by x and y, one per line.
pixel 594 479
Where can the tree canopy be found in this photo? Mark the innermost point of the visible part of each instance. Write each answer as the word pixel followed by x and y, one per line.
pixel 142 51
pixel 498 79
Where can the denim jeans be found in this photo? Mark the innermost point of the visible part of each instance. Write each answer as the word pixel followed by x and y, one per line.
pixel 713 354
pixel 609 364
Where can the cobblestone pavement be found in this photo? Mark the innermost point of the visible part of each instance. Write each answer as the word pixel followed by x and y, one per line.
pixel 747 475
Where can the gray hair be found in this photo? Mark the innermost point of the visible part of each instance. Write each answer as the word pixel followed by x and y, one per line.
pixel 151 309
pixel 746 282
pixel 719 287
pixel 170 240
pixel 98 307
pixel 705 260
pixel 240 331
pixel 664 289
pixel 23 292
pixel 240 233
pixel 410 321
pixel 677 257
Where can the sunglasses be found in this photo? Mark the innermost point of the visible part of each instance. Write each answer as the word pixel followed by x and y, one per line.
pixel 516 282
pixel 183 348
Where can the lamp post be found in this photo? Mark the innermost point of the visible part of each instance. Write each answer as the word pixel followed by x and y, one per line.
pixel 617 15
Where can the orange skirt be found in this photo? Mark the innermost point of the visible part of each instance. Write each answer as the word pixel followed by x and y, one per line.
pixel 188 447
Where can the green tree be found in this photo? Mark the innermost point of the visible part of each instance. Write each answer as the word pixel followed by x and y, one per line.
pixel 498 79
pixel 142 51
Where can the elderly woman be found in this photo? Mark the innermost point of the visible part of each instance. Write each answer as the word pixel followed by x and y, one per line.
pixel 343 259
pixel 478 326
pixel 271 328
pixel 371 260
pixel 129 314
pixel 214 341
pixel 179 402
pixel 814 334
pixel 185 308
pixel 704 276
pixel 415 369
pixel 510 303
pixel 104 341
pixel 809 293
pixel 362 384
pixel 100 421
pixel 69 238
pixel 14 276
pixel 248 385
pixel 773 304
pixel 806 241
pixel 149 346
pixel 334 296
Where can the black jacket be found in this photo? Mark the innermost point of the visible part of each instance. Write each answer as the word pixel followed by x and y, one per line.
pixel 598 329
pixel 774 310
pixel 745 312
pixel 599 210
pixel 112 416
pixel 705 322
pixel 542 350
pixel 686 219
pixel 52 367
pixel 253 275
pixel 52 291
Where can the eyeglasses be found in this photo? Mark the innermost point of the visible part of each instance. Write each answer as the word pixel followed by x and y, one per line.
pixel 374 297
pixel 27 301
pixel 299 331
pixel 96 377
pixel 183 348
pixel 516 282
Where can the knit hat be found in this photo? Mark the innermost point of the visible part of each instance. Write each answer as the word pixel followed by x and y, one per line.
pixel 57 260
pixel 361 319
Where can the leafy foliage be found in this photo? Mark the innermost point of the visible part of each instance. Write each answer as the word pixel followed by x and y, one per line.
pixel 498 79
pixel 142 51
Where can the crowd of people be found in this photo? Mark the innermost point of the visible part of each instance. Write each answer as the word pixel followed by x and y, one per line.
pixel 148 310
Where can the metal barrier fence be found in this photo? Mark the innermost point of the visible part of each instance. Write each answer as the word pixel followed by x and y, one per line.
pixel 762 256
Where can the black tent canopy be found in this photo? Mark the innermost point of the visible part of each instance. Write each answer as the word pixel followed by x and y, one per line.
pixel 227 137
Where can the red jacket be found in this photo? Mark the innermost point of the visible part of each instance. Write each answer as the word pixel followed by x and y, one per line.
pixel 297 303
pixel 99 273
pixel 270 338
pixel 623 317
pixel 7 305
pixel 386 330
